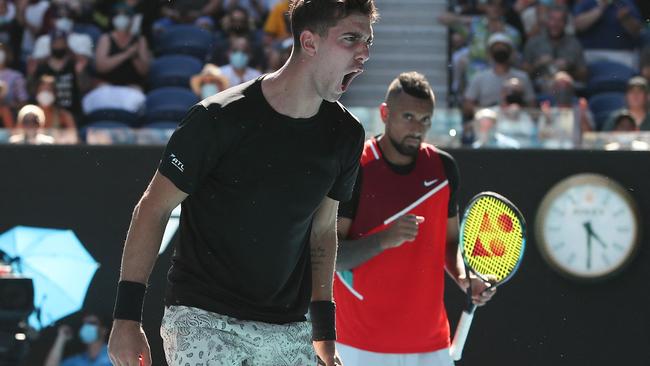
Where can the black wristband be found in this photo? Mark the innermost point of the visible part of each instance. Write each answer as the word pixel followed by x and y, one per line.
pixel 323 321
pixel 129 301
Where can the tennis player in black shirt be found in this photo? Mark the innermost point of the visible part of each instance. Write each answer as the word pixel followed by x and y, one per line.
pixel 259 170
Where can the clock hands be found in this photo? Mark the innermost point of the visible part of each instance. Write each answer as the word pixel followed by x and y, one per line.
pixel 591 234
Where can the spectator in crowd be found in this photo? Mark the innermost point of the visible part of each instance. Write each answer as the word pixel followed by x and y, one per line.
pixel 55 117
pixel 209 82
pixel 8 23
pixel 29 125
pixel 552 51
pixel 609 30
pixel 6 115
pixel 565 117
pixel 15 93
pixel 30 16
pixel 514 119
pixel 636 104
pixel 277 27
pixel 623 121
pixel 485 132
pixel 61 20
pixel 468 61
pixel 279 54
pixel 235 24
pixel 196 12
pixel 239 54
pixel 93 334
pixel 70 72
pixel 122 58
pixel 484 89
pixel 258 9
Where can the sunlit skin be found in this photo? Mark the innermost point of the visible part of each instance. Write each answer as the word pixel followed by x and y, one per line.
pixel 407 120
pixel 343 51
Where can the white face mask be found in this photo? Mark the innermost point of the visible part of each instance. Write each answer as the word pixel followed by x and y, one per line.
pixel 121 21
pixel 64 24
pixel 45 98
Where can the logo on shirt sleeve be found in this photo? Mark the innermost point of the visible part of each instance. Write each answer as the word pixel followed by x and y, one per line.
pixel 177 163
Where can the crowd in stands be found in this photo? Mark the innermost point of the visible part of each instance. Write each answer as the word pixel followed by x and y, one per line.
pixel 578 65
pixel 71 65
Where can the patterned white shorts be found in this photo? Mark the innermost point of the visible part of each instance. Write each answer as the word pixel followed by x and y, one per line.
pixel 195 337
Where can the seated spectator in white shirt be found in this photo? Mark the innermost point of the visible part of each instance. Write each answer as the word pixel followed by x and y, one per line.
pixel 484 89
pixel 29 125
pixel 107 96
pixel 80 44
pixel 514 120
pixel 239 54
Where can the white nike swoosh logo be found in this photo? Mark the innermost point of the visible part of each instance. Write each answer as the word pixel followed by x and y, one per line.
pixel 429 183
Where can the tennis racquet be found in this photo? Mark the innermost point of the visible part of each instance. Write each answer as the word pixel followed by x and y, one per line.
pixel 492 243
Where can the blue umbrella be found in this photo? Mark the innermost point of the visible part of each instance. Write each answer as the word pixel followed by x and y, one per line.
pixel 59 266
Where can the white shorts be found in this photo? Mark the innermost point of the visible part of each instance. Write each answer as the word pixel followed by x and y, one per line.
pixel 193 337
pixel 356 357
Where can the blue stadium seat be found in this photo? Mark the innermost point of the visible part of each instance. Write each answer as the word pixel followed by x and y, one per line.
pixel 168 104
pixel 120 115
pixel 602 105
pixel 184 39
pixel 173 70
pixel 165 125
pixel 607 76
pixel 122 134
pixel 90 29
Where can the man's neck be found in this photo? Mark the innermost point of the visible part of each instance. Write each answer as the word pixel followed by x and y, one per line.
pixel 501 69
pixel 290 91
pixel 94 349
pixel 391 154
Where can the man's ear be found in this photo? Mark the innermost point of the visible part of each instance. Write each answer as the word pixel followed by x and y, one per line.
pixel 309 42
pixel 383 112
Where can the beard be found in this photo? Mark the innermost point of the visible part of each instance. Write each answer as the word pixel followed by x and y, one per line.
pixel 405 149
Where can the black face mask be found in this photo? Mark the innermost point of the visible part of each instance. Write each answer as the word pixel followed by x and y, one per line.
pixel 501 56
pixel 515 98
pixel 59 53
pixel 564 96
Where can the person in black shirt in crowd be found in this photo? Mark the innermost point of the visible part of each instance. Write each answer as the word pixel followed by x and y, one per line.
pixel 259 169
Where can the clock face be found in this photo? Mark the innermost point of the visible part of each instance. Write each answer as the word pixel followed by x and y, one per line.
pixel 587 227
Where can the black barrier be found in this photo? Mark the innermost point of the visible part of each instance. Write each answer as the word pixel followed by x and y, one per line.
pixel 539 318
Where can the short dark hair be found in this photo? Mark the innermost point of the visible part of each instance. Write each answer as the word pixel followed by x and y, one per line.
pixel 319 16
pixel 412 83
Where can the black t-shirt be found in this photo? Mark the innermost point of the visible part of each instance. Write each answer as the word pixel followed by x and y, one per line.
pixel 349 209
pixel 65 85
pixel 254 179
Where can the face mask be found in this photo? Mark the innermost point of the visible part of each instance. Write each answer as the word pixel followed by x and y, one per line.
pixel 208 90
pixel 501 56
pixel 121 22
pixel 515 98
pixel 3 57
pixel 238 60
pixel 64 24
pixel 59 52
pixel 89 333
pixel 45 98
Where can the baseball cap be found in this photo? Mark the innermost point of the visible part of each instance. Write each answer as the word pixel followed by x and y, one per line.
pixel 638 82
pixel 499 37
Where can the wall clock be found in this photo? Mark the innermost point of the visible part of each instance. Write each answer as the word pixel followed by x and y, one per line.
pixel 587 227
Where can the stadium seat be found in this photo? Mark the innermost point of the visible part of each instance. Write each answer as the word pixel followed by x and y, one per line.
pixel 602 105
pixel 165 125
pixel 607 76
pixel 119 115
pixel 184 39
pixel 168 104
pixel 121 135
pixel 90 29
pixel 173 70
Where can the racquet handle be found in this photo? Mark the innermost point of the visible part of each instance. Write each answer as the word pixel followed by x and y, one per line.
pixel 465 322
